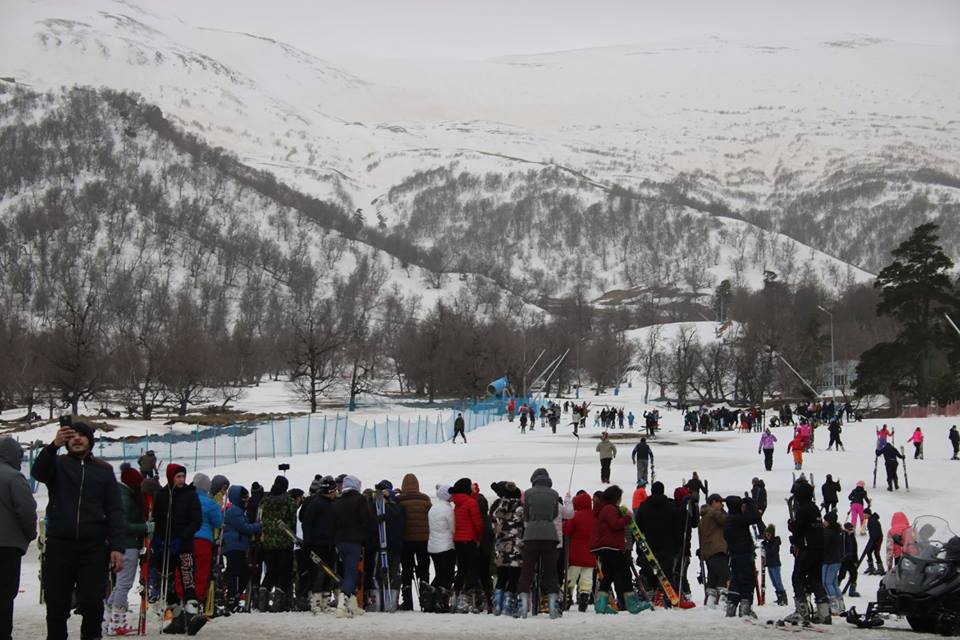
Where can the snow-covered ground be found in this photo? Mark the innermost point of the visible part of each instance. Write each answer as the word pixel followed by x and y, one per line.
pixel 499 452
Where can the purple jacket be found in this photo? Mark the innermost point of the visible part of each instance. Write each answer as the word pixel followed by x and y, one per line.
pixel 767 440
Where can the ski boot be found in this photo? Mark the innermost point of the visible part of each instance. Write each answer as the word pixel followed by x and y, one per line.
pixel 406 603
pixel 509 604
pixel 713 598
pixel 118 622
pixel 746 610
pixel 278 603
pixel 553 606
pixel 731 609
pixel 194 617
pixel 463 603
pixel 343 610
pixel 583 601
pixel 178 624
pixel 354 607
pixel 822 614
pixel 524 604
pixel 318 603
pixel 602 603
pixel 426 598
pixel 634 604
pixel 686 602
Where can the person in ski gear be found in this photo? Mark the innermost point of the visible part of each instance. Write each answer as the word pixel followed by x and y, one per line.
pixel 442 552
pixel 689 519
pixel 771 550
pixel 483 597
pixel 148 464
pixel 607 451
pixel 642 457
pixel 541 509
pixel 741 516
pixel 859 501
pixel 660 522
pixel 579 530
pixel 829 490
pixel 954 437
pixel 849 559
pixel 607 543
pixel 796 446
pixel 832 558
pixel 874 543
pixel 767 442
pixel 394 528
pixel 890 455
pixel 807 542
pixel 696 487
pixel 713 549
pixel 415 559
pixel 318 525
pixel 85 529
pixel 507 514
pixel 177 518
pixel 758 492
pixel 458 429
pixel 916 438
pixel 219 485
pixel 18 527
pixel 901 539
pixel 135 528
pixel 639 495
pixel 278 510
pixel 511 409
pixel 883 434
pixel 203 539
pixel 466 538
pixel 237 531
pixel 352 519
pixel 835 429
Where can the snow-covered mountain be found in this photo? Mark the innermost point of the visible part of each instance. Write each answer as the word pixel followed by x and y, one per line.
pixel 673 164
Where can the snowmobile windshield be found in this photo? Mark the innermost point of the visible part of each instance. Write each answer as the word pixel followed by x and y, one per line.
pixel 932 539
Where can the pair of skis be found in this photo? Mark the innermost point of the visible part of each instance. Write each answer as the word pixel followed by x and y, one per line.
pixel 317 560
pixel 655 567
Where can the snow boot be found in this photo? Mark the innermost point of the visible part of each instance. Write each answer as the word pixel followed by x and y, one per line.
pixel 279 601
pixel 713 598
pixel 406 603
pixel 194 617
pixel 686 602
pixel 841 606
pixel 553 606
pixel 822 615
pixel 463 603
pixel 746 610
pixel 427 598
pixel 178 624
pixel 393 601
pixel 853 593
pixel 343 611
pixel 318 603
pixel 583 601
pixel 634 604
pixel 263 599
pixel 731 608
pixel 119 622
pixel 354 607
pixel 441 600
pixel 498 602
pixel 524 604
pixel 602 603
pixel 782 598
pixel 509 604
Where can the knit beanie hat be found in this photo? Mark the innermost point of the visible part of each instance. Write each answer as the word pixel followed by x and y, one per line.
pixel 132 478
pixel 173 469
pixel 202 482
pixel 463 485
pixel 351 483
pixel 443 492
pixel 83 429
pixel 657 488
pixel 218 484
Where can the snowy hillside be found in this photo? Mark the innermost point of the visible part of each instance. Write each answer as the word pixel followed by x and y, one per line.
pixel 834 142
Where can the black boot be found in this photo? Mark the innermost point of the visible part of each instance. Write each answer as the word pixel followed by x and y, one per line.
pixel 426 598
pixel 583 601
pixel 178 624
pixel 262 602
pixel 279 601
pixel 406 598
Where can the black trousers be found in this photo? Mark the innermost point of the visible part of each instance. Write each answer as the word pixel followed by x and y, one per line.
pixel 443 567
pixel 616 571
pixel 545 552
pixel 768 459
pixel 742 578
pixel 9 587
pixel 237 573
pixel 83 564
pixel 279 571
pixel 414 561
pixel 323 583
pixel 892 480
pixel 466 565
pixel 605 469
pixel 806 576
pixel 507 578
pixel 848 566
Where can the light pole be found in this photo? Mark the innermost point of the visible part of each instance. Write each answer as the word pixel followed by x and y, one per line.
pixel 833 360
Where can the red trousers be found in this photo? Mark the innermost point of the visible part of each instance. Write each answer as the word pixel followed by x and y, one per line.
pixel 202 566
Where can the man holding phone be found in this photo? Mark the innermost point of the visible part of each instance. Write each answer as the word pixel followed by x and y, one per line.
pixel 85 528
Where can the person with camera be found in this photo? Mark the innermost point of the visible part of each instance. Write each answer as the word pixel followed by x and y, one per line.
pixel 85 528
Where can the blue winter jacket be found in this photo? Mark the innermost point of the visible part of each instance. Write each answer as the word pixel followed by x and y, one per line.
pixel 212 517
pixel 236 529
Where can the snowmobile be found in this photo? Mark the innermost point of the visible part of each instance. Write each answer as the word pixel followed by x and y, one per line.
pixel 924 586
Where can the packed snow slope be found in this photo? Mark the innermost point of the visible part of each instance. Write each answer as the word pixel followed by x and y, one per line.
pixel 696 159
pixel 727 461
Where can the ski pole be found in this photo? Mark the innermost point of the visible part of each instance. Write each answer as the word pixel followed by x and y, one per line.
pixel 574 465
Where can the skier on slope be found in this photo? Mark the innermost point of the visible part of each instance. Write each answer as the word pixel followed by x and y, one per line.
pixel 642 457
pixel 767 442
pixel 796 446
pixel 859 501
pixel 458 429
pixel 890 455
pixel 741 516
pixel 835 430
pixel 954 437
pixel 829 491
pixel 607 451
pixel 916 438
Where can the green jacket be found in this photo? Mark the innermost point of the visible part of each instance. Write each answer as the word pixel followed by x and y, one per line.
pixel 134 526
pixel 277 509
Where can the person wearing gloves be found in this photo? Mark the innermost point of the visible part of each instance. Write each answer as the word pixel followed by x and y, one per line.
pixel 467 533
pixel 18 526
pixel 353 519
pixel 85 529
pixel 135 529
pixel 607 542
pixel 443 553
pixel 176 512
pixel 541 509
pixel 807 542
pixel 237 530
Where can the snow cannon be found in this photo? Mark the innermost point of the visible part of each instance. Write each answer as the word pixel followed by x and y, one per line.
pixel 498 386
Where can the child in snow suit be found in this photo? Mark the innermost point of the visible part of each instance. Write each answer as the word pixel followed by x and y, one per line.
pixel 796 446
pixel 579 529
pixel 832 557
pixel 901 539
pixel 771 550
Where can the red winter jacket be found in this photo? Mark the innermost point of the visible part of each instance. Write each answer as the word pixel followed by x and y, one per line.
pixel 579 529
pixel 608 526
pixel 468 527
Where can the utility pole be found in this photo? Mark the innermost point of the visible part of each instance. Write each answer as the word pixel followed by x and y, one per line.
pixel 833 360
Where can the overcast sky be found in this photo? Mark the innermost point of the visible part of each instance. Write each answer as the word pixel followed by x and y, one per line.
pixel 478 29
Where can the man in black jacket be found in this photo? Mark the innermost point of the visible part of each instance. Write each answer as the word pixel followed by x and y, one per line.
pixel 807 541
pixel 176 512
pixel 890 455
pixel 660 521
pixel 18 527
pixel 352 518
pixel 85 529
pixel 742 514
pixel 829 490
pixel 316 516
